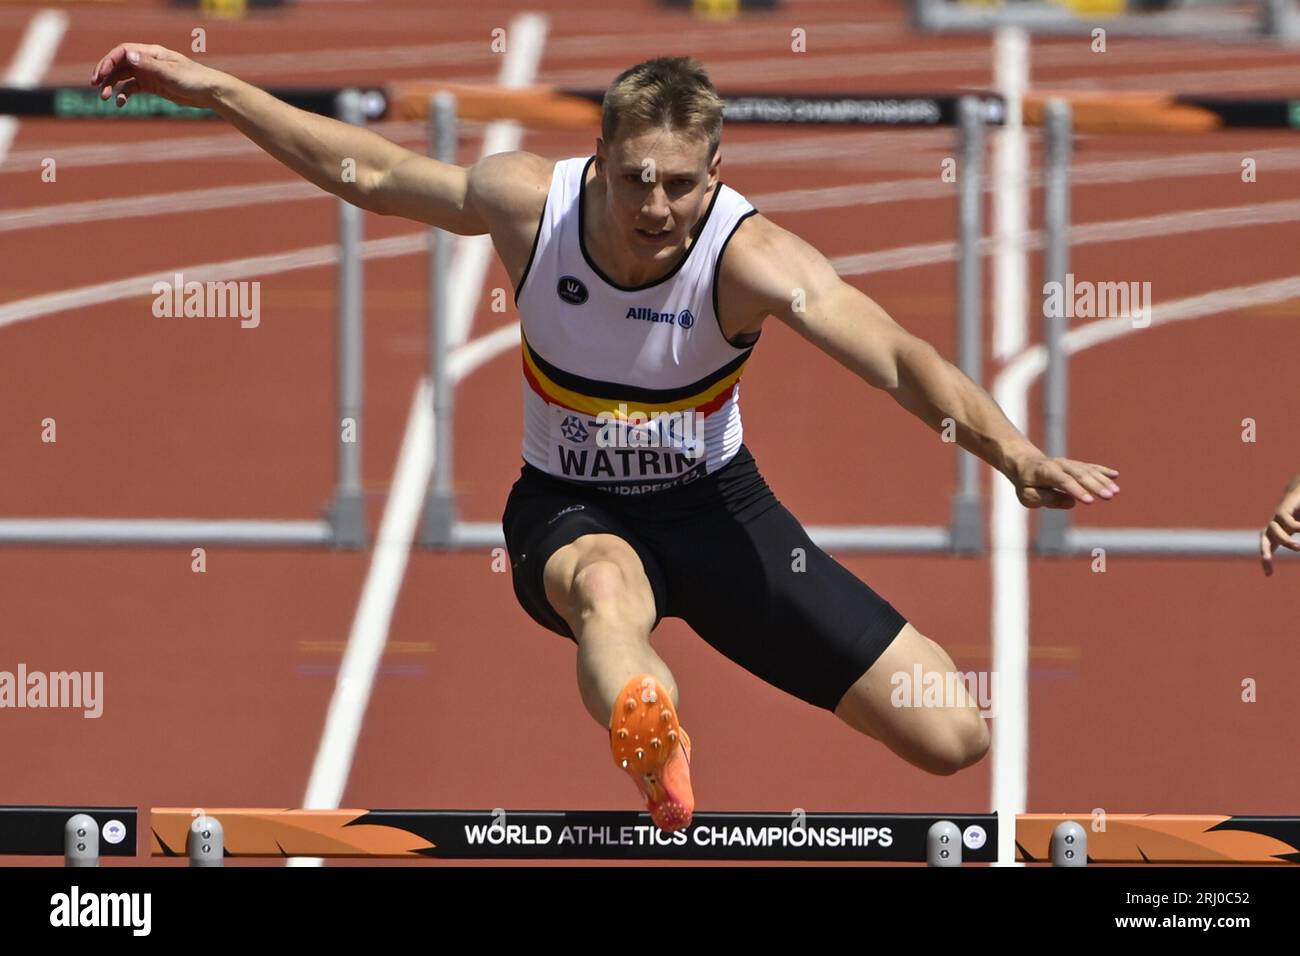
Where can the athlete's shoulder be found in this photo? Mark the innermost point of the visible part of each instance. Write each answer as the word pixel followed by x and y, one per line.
pixel 764 261
pixel 510 184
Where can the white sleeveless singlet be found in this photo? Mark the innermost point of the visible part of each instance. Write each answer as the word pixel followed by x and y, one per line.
pixel 628 389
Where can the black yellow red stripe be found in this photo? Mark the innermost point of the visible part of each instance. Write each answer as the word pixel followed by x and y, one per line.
pixel 592 397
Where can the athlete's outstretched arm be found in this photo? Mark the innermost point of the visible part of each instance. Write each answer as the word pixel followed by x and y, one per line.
pixel 786 277
pixel 389 179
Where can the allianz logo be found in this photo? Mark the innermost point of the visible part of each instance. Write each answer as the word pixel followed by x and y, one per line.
pixel 684 318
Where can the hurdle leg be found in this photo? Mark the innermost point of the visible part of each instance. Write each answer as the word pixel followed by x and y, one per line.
pixel 440 515
pixel 1069 845
pixel 206 844
pixel 81 841
pixel 967 533
pixel 1053 523
pixel 347 512
pixel 943 844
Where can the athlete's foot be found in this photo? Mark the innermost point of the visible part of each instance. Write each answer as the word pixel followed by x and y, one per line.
pixel 649 743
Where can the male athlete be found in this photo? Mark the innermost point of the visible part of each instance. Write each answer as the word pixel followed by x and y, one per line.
pixel 643 282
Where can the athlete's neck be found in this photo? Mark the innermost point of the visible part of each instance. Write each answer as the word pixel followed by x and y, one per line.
pixel 607 245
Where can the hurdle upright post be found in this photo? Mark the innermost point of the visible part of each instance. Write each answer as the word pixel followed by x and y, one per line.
pixel 440 517
pixel 967 533
pixel 943 844
pixel 81 841
pixel 1053 523
pixel 347 512
pixel 205 844
pixel 1069 845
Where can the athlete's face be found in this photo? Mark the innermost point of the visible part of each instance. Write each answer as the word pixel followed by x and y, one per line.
pixel 658 183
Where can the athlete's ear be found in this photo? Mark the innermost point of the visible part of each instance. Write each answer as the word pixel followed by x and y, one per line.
pixel 600 156
pixel 715 167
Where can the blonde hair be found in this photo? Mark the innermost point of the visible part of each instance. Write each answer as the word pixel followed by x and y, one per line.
pixel 667 91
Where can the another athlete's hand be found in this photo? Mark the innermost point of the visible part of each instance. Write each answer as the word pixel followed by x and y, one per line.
pixel 1043 482
pixel 1281 531
pixel 148 68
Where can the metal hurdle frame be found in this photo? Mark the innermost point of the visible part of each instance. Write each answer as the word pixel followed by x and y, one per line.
pixel 344 524
pixel 1273 20
pixel 442 528
pixel 1055 534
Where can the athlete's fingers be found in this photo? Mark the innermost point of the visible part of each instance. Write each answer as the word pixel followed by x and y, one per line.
pixel 119 64
pixel 1287 521
pixel 1105 472
pixel 1278 535
pixel 124 90
pixel 1061 479
pixel 1266 553
pixel 1085 475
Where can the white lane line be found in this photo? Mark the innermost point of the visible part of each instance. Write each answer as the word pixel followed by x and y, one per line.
pixel 1010 536
pixel 35 54
pixel 158 204
pixel 460 53
pixel 1010 196
pixel 1116 230
pixel 374 612
pixel 867 263
pixel 473 253
pixel 256 267
pixel 878 192
pixel 180 149
pixel 402 511
pixel 1010 624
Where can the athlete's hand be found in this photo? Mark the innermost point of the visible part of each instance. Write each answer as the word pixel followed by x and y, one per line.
pixel 147 68
pixel 1043 482
pixel 1282 531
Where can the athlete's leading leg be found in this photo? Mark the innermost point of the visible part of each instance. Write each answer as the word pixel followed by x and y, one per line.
pixel 940 738
pixel 599 586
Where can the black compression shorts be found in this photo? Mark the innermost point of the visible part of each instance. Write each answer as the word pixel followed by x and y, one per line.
pixel 723 554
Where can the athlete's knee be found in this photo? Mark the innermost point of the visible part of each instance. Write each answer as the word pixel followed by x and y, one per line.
pixel 604 581
pixel 609 587
pixel 962 738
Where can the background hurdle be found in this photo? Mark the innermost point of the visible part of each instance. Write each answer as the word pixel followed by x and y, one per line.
pixel 344 524
pixel 1271 19
pixel 1062 114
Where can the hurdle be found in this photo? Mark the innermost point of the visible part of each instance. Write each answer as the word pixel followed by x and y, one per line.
pixel 1270 20
pixel 441 105
pixel 208 836
pixel 344 522
pixel 1061 115
pixel 81 835
pixel 1073 840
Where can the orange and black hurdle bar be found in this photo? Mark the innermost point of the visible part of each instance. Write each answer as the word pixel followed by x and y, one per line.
pixel 1160 838
pixel 207 837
